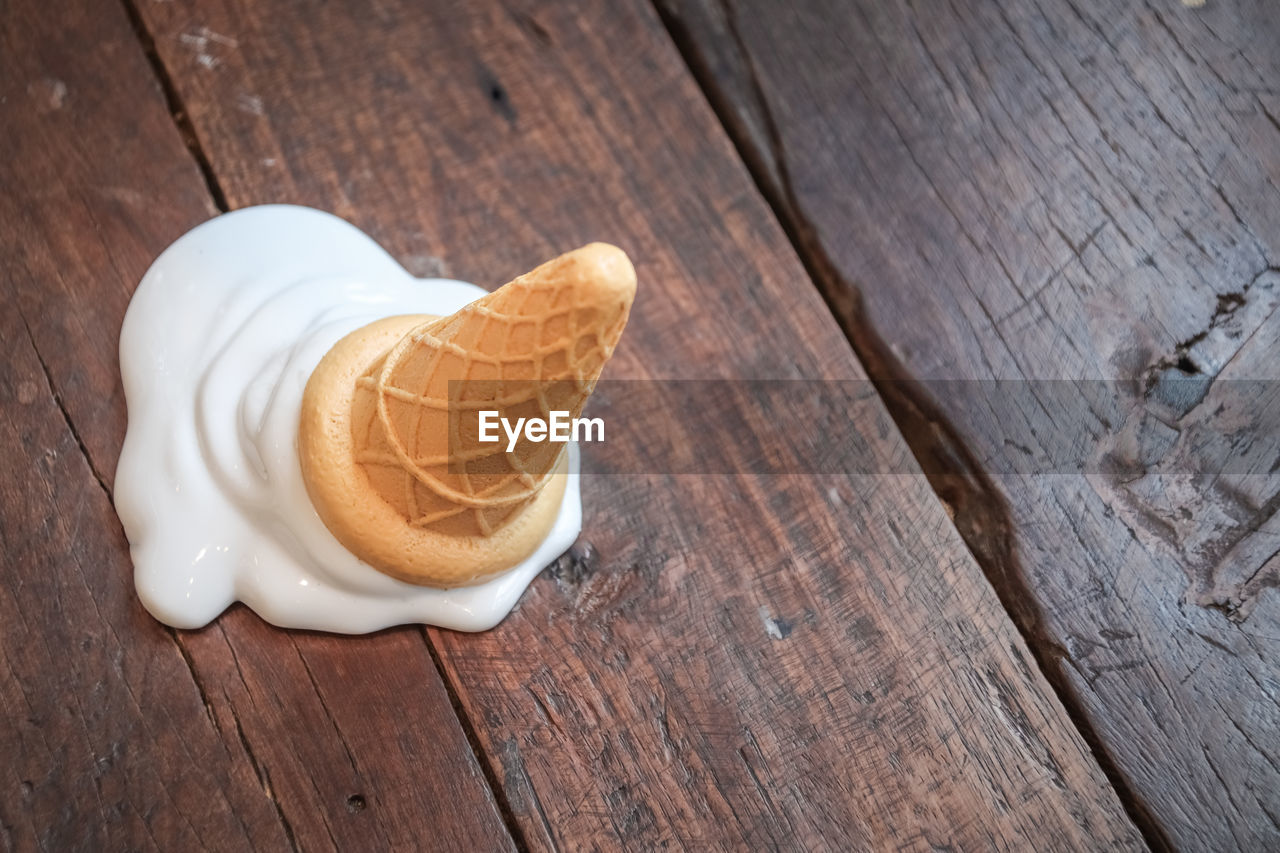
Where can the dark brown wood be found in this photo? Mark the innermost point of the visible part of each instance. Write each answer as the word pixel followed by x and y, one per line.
pixel 1075 190
pixel 804 661
pixel 117 733
pixel 105 738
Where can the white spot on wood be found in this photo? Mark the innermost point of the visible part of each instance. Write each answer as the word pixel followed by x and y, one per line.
pixel 125 195
pixel 426 266
pixel 57 94
pixel 772 626
pixel 27 392
pixel 268 161
pixel 50 90
pixel 1193 4
pixel 201 42
pixel 251 104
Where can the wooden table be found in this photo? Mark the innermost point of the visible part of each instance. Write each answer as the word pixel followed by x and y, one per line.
pixel 975 655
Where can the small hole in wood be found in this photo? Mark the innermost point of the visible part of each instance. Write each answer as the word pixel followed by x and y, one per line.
pixel 497 93
pixel 356 803
pixel 1187 366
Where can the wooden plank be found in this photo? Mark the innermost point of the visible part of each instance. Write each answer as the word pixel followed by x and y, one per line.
pixel 786 661
pixel 117 734
pixel 1074 191
pixel 105 739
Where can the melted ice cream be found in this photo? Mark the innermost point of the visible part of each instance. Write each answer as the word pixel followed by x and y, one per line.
pixel 217 346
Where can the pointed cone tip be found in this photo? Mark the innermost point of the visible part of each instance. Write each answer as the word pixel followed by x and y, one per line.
pixel 608 266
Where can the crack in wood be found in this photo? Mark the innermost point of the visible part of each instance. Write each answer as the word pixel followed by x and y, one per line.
pixel 195 677
pixel 324 706
pixel 497 791
pixel 62 408
pixel 177 109
pixel 516 778
pixel 264 779
pixel 1182 359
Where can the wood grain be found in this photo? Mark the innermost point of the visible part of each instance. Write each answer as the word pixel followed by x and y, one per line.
pixel 1079 191
pixel 116 733
pixel 803 661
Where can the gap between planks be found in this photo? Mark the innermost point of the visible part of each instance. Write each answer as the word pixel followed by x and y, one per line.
pixel 975 506
pixel 173 101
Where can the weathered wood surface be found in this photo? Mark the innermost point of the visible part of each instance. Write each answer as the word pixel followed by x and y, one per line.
pixel 116 734
pixel 790 661
pixel 1075 190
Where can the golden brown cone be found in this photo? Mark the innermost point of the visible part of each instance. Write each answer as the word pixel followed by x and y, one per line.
pixel 533 346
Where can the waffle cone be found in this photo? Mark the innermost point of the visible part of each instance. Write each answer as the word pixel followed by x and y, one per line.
pixel 389 437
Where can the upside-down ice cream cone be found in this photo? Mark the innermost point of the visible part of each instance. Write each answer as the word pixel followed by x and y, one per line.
pixel 389 440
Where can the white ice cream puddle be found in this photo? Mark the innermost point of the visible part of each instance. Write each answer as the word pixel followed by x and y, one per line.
pixel 217 346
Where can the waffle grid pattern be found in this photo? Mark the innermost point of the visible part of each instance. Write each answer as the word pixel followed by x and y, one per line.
pixel 530 348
